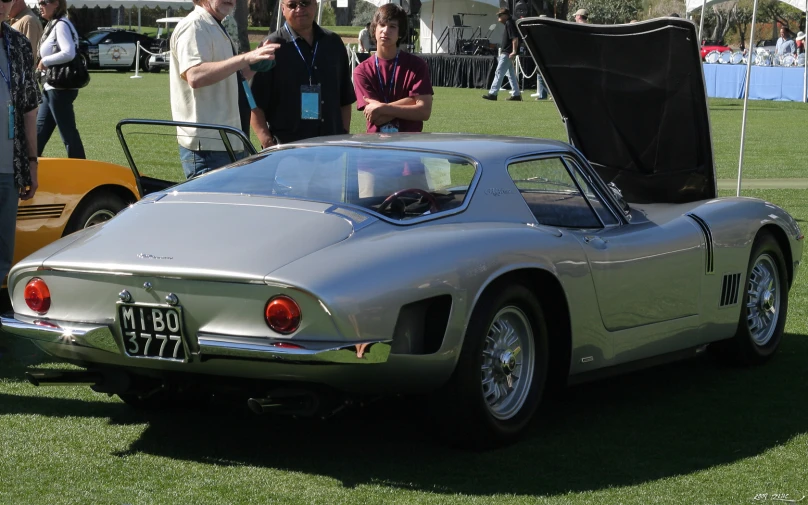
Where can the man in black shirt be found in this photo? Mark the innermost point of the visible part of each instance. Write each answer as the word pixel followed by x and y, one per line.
pixel 309 91
pixel 508 50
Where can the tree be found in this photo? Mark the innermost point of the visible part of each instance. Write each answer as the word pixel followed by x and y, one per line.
pixel 346 14
pixel 609 11
pixel 743 18
pixel 663 8
pixel 263 12
pixel 240 14
pixel 725 16
pixel 781 14
pixel 328 18
pixel 363 13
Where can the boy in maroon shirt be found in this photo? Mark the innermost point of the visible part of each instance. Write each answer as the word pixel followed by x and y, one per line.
pixel 393 88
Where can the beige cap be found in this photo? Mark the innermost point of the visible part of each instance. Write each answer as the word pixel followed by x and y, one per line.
pixel 582 13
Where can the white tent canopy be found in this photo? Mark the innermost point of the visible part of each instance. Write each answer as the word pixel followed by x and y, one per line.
pixel 163 4
pixel 128 4
pixel 693 5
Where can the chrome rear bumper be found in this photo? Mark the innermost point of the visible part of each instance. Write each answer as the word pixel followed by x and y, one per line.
pixel 207 345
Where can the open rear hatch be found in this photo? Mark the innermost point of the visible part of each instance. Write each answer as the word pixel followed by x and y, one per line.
pixel 634 102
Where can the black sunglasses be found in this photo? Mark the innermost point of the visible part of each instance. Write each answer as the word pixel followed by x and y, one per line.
pixel 44 3
pixel 6 1
pixel 293 5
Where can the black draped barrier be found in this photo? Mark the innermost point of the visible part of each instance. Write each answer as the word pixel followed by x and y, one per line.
pixel 461 71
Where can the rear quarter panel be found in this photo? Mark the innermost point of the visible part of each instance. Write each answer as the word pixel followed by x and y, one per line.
pixel 734 224
pixel 63 183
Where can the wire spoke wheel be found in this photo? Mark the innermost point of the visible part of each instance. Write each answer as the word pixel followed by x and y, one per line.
pixel 508 364
pixel 763 305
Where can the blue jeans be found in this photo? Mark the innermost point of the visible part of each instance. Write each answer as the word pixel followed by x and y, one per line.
pixel 55 110
pixel 504 67
pixel 9 198
pixel 541 88
pixel 199 162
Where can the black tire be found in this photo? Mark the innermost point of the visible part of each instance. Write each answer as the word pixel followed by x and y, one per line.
pixel 464 408
pixel 93 210
pixel 764 306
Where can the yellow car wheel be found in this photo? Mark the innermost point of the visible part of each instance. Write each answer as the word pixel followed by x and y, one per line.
pixel 99 208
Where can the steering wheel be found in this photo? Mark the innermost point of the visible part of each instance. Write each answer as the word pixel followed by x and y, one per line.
pixel 433 204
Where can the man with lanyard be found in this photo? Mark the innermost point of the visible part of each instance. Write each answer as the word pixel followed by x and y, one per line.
pixel 393 88
pixel 19 99
pixel 205 76
pixel 312 96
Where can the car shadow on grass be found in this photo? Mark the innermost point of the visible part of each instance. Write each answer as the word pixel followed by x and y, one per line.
pixel 668 421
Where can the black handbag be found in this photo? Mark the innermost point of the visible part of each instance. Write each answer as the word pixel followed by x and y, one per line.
pixel 70 75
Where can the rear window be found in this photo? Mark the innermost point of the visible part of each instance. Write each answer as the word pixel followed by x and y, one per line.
pixel 399 185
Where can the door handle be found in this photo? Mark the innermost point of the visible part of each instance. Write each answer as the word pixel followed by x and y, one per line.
pixel 595 241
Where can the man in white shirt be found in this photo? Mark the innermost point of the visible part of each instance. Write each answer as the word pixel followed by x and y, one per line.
pixel 204 80
pixel 366 44
pixel 784 44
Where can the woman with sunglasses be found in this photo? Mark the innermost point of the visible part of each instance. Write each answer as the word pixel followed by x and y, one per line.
pixel 58 45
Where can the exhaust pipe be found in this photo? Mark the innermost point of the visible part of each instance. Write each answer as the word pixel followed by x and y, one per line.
pixel 64 378
pixel 287 402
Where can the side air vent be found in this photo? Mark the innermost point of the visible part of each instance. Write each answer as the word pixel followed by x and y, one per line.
pixel 421 326
pixel 39 212
pixel 708 241
pixel 730 289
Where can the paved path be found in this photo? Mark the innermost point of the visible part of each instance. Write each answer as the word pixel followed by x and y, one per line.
pixel 763 184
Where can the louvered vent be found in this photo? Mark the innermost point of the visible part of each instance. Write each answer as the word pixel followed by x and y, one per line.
pixel 708 241
pixel 730 289
pixel 40 211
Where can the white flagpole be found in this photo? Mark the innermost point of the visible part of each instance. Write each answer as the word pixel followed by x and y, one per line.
pixel 432 28
pixel 746 93
pixel 319 11
pixel 701 22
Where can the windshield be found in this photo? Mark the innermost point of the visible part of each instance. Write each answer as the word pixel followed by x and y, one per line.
pixel 96 36
pixel 394 183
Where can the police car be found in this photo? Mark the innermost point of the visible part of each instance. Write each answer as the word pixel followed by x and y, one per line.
pixel 113 48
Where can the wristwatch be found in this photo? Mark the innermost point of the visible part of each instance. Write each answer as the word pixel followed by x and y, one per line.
pixel 33 159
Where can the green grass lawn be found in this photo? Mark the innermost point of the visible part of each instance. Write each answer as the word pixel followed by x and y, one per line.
pixel 688 433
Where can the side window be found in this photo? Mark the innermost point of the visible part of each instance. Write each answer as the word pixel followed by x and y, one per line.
pixel 551 194
pixel 603 212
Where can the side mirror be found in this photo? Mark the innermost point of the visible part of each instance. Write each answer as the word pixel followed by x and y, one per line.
pixel 618 196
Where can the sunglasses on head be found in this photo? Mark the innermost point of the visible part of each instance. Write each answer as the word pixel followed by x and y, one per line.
pixel 294 5
pixel 44 3
pixel 6 1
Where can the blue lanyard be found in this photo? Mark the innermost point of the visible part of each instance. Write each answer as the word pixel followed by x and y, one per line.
pixel 313 56
pixel 7 76
pixel 392 81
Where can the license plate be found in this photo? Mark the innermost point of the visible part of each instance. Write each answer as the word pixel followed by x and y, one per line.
pixel 152 331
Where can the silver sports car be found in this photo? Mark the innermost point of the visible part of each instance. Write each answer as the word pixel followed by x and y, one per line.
pixel 480 269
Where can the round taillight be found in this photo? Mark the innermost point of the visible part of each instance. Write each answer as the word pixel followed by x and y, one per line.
pixel 282 314
pixel 37 295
